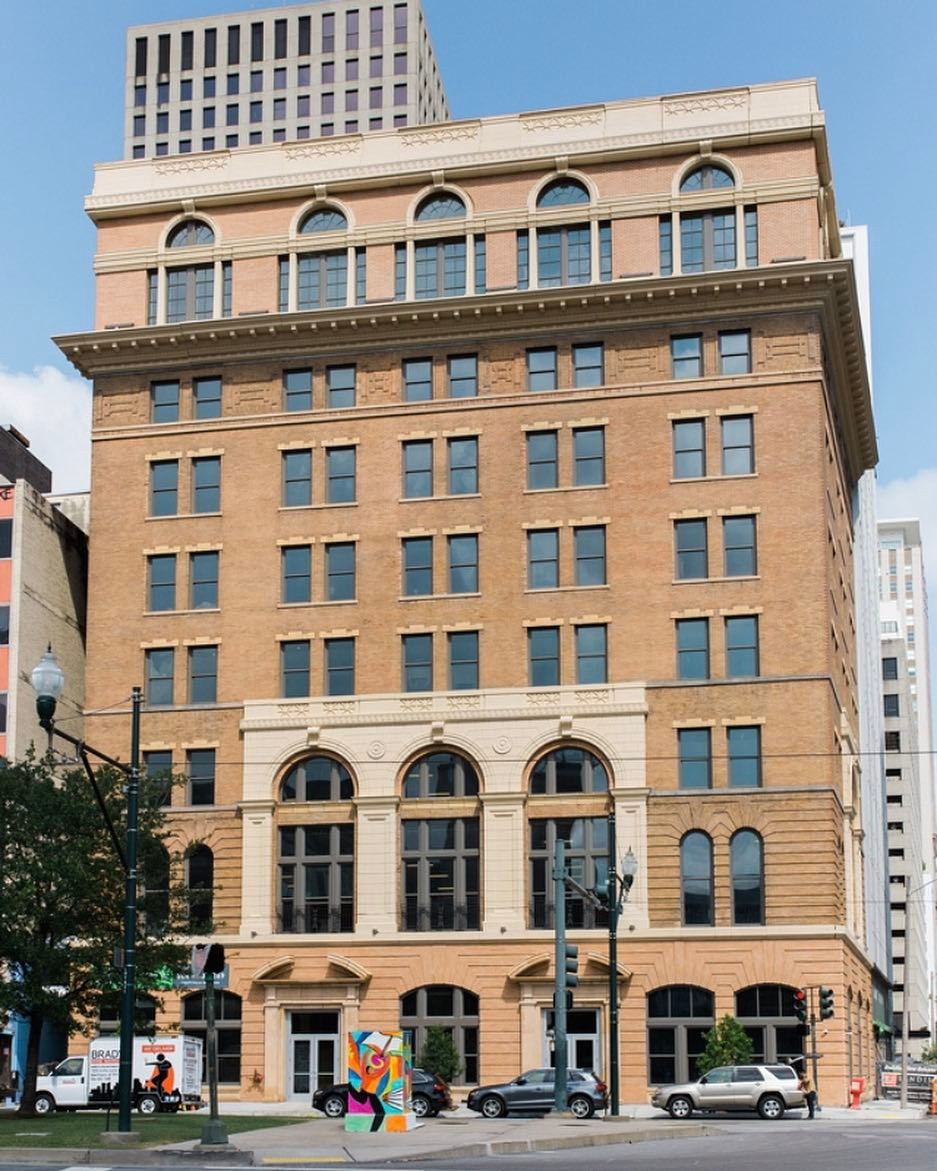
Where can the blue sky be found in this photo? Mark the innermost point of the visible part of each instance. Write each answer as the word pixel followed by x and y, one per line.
pixel 61 95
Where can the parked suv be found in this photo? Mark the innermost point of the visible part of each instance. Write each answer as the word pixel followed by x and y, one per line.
pixel 534 1091
pixel 428 1095
pixel 769 1089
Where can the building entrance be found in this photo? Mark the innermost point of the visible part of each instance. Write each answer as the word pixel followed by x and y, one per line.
pixel 584 1050
pixel 312 1056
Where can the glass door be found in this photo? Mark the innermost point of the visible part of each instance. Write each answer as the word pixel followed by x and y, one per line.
pixel 312 1058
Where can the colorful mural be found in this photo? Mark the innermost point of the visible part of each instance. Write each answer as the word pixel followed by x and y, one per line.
pixel 379 1072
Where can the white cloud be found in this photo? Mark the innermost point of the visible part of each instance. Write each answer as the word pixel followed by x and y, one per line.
pixel 53 411
pixel 915 499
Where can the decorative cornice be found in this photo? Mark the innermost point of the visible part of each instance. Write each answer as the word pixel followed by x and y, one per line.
pixel 709 101
pixel 189 164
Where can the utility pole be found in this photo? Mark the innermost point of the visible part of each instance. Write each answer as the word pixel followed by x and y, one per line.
pixel 814 1057
pixel 559 980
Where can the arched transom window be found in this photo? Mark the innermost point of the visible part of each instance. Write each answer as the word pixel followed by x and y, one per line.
pixel 189 292
pixel 318 778
pixel 324 219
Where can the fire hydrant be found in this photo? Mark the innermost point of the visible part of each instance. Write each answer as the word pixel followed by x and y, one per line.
pixel 856 1090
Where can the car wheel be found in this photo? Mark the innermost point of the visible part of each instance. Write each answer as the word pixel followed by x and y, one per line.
pixel 680 1107
pixel 420 1106
pixel 148 1104
pixel 45 1104
pixel 581 1106
pixel 334 1106
pixel 771 1107
pixel 492 1107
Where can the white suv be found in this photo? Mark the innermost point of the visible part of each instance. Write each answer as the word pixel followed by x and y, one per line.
pixel 769 1089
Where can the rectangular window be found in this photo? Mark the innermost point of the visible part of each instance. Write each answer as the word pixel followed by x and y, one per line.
pixel 665 242
pixel 200 775
pixel 440 867
pixel 164 487
pixel 692 559
pixel 279 39
pixel 417 566
pixel 400 93
pixel 400 272
pixel 164 397
pixel 328 32
pixel 463 375
pixel 351 29
pixel 541 369
pixel 377 26
pixel 751 237
pixel 543 656
pixel 588 456
pixel 256 112
pixel 294 668
pixel 257 41
pixel 340 475
pixel 693 648
pixel 159 673
pixel 340 383
pixel 206 484
pixel 892 741
pixel 417 380
pixel 375 94
pixel 605 251
pixel 208 117
pixel 203 674
pixel 735 352
pixel 203 580
pixel 463 563
pixel 689 449
pixel 523 259
pixel 542 462
pixel 462 457
pixel 418 468
pixel 400 24
pixel 417 650
pixel 481 265
pixel 889 668
pixel 743 746
pixel 157 769
pixel 4 625
pixel 588 365
pixel 234 45
pixel 339 666
pixel 686 356
pixel 140 47
pixel 161 582
pixel 296 572
pixel 742 658
pixel 543 564
pixel 738 538
pixel 463 660
pixel 297 478
pixel 592 654
pixel 6 538
pixel 590 555
pixel 891 705
pixel 206 397
pixel 738 445
pixel 304 36
pixel 586 841
pixel 694 748
pixel 297 390
pixel 340 571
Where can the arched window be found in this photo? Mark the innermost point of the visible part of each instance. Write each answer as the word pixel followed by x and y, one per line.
pixel 747 867
pixel 200 876
pixel 569 770
pixel 144 1014
pixel 441 206
pixel 678 1018
pixel 449 1007
pixel 191 292
pixel 441 774
pixel 562 192
pixel 696 879
pixel 228 1026
pixel 190 233
pixel 318 778
pixel 441 855
pixel 324 219
pixel 707 177
pixel 766 1012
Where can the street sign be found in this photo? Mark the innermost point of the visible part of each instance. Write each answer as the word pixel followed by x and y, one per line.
pixel 221 980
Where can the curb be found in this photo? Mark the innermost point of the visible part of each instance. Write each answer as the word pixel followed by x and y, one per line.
pixel 126 1156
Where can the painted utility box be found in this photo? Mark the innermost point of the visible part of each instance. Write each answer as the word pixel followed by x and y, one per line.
pixel 379 1075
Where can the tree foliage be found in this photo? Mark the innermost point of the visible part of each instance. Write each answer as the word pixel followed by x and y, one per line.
pixel 439 1054
pixel 62 894
pixel 727 1043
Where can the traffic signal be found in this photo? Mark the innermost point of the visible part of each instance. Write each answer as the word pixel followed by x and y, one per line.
pixel 800 1004
pixel 571 965
pixel 826 1003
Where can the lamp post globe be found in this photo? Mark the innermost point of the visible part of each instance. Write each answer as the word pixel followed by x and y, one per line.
pixel 48 681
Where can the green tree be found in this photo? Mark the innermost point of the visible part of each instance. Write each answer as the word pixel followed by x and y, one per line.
pixel 727 1043
pixel 929 1056
pixel 439 1054
pixel 62 897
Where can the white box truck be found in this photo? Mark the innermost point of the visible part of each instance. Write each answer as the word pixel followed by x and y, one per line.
pixel 167 1074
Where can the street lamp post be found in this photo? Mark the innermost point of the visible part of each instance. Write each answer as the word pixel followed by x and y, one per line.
pixel 618 890
pixel 48 681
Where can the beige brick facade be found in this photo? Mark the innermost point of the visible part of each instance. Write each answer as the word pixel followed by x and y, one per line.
pixel 802 399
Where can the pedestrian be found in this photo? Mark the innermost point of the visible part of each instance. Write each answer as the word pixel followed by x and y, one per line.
pixel 810 1093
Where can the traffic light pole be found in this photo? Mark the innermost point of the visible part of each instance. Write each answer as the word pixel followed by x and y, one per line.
pixel 814 1057
pixel 560 1055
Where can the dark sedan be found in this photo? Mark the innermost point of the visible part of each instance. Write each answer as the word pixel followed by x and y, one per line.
pixel 429 1094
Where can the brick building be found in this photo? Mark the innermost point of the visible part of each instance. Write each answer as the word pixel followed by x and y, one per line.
pixel 452 490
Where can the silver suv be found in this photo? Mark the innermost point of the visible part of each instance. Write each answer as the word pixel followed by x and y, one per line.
pixel 769 1089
